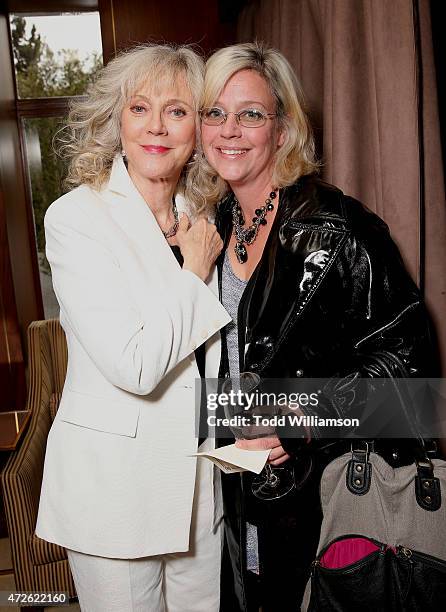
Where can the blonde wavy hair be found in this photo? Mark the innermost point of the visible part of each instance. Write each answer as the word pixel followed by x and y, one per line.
pixel 91 136
pixel 296 156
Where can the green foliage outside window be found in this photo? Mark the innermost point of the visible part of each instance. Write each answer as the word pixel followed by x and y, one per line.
pixel 46 176
pixel 40 73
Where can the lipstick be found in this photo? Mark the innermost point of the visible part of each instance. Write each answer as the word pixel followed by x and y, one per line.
pixel 155 149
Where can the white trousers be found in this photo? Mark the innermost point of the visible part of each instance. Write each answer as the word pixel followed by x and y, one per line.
pixel 181 582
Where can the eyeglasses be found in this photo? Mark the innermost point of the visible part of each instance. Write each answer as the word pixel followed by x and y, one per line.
pixel 248 117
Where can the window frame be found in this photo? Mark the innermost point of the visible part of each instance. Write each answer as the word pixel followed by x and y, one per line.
pixel 35 108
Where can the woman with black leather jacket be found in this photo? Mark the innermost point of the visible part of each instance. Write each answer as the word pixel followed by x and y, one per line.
pixel 316 288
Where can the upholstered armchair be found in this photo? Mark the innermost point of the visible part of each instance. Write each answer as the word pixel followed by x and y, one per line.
pixel 38 565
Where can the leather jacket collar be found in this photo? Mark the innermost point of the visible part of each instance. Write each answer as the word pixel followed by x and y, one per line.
pixel 309 230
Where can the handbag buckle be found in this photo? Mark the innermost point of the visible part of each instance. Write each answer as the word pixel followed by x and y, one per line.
pixel 427 486
pixel 359 469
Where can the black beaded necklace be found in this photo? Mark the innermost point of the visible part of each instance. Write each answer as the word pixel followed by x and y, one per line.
pixel 248 235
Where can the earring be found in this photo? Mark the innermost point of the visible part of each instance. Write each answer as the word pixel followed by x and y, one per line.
pixel 123 153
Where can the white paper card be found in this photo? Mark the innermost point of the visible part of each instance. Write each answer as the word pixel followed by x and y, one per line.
pixel 231 459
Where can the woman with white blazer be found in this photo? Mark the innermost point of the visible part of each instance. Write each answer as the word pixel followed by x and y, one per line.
pixel 121 489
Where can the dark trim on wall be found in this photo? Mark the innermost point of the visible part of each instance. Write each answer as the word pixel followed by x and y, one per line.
pixel 50 6
pixel 439 44
pixel 207 24
pixel 108 29
pixel 12 367
pixel 45 107
pixel 17 216
pixel 421 161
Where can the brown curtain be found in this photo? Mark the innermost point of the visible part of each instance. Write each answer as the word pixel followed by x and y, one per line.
pixel 367 69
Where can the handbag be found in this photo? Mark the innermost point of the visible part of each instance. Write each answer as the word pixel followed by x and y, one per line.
pixel 382 545
pixel 383 537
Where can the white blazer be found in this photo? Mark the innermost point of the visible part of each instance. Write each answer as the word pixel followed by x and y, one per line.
pixel 118 478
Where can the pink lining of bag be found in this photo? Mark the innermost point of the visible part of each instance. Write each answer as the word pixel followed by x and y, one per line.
pixel 345 552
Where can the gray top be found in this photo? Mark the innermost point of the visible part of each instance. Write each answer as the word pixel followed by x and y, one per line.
pixel 232 291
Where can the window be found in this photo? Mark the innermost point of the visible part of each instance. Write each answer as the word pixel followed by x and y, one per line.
pixel 55 55
pixel 55 58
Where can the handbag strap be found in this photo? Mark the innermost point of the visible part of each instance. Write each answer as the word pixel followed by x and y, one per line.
pixel 405 401
pixel 359 470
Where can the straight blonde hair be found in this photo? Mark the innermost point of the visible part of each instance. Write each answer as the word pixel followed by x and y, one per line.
pixel 296 156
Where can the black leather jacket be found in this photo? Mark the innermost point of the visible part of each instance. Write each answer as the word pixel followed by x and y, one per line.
pixel 329 298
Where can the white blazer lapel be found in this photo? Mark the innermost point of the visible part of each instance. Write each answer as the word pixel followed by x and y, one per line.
pixel 129 210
